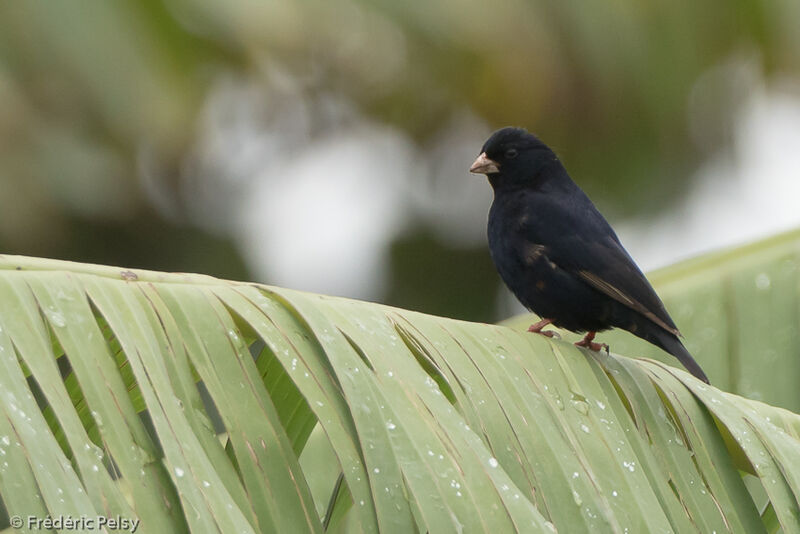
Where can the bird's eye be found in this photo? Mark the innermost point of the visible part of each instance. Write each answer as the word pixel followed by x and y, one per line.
pixel 511 153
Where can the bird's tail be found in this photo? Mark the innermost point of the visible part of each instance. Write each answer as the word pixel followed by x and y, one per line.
pixel 670 343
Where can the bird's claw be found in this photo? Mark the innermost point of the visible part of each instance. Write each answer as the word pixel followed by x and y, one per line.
pixel 589 344
pixel 536 328
pixel 596 347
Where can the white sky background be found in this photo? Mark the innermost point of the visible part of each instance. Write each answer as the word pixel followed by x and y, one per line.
pixel 740 197
pixel 316 195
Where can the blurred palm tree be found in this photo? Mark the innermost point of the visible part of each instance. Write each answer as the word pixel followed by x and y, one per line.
pixel 108 114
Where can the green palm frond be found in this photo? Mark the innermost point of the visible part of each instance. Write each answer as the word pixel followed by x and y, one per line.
pixel 196 404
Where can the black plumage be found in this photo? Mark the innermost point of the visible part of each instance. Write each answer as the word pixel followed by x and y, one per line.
pixel 558 254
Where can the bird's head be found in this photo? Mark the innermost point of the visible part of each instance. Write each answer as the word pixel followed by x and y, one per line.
pixel 512 156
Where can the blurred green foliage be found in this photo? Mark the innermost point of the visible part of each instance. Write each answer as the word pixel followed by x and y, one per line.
pixel 100 105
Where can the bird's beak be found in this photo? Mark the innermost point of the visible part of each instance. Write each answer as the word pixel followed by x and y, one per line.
pixel 484 165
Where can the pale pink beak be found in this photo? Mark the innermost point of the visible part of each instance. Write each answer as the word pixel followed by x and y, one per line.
pixel 484 165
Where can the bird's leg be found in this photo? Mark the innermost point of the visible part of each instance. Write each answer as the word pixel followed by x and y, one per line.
pixel 587 342
pixel 537 328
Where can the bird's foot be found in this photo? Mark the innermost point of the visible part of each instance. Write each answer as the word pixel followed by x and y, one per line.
pixel 596 347
pixel 537 329
pixel 589 344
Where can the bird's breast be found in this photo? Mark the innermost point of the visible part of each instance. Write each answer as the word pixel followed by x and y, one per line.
pixel 518 259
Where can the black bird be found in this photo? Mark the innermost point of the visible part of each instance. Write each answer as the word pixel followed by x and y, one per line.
pixel 559 256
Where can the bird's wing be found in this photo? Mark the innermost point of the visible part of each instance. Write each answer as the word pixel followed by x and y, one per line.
pixel 583 243
pixel 622 291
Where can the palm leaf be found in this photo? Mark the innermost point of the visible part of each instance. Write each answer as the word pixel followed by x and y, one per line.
pixel 199 405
